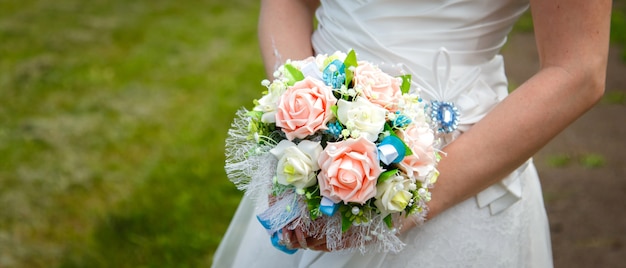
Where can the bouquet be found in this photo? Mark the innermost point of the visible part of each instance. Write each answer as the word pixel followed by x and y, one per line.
pixel 338 148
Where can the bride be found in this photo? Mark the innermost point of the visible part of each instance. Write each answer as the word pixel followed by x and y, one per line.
pixel 487 209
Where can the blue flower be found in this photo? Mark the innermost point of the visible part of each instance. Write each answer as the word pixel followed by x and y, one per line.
pixel 334 74
pixel 401 120
pixel 334 129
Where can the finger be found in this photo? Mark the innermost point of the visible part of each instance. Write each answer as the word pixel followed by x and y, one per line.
pixel 318 244
pixel 286 238
pixel 315 242
pixel 320 247
pixel 301 238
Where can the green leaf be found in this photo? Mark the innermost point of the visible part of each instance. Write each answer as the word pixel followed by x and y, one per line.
pixel 315 213
pixel 293 74
pixel 387 220
pixel 333 109
pixel 406 83
pixel 388 128
pixel 350 61
pixel 255 114
pixel 408 150
pixel 345 223
pixel 313 199
pixel 386 175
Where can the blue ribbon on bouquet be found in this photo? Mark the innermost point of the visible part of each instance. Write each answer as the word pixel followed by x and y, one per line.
pixel 276 239
pixel 391 150
pixel 277 216
pixel 328 207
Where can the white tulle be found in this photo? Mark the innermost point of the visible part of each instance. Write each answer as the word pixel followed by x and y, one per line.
pixel 451 47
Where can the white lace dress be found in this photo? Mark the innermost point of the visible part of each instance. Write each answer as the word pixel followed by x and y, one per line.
pixel 451 49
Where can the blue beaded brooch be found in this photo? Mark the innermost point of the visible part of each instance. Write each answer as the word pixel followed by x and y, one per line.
pixel 445 115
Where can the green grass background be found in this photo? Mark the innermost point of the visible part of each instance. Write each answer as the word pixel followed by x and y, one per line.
pixel 112 121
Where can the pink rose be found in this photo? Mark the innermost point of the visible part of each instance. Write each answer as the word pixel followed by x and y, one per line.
pixel 349 170
pixel 377 86
pixel 305 108
pixel 420 139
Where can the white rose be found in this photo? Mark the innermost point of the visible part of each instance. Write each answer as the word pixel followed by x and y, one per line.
pixel 362 116
pixel 393 194
pixel 269 102
pixel 297 164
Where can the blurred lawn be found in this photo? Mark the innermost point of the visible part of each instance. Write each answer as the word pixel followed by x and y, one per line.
pixel 112 121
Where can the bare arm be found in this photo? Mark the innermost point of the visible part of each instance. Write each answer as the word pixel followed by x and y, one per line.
pixel 285 28
pixel 572 38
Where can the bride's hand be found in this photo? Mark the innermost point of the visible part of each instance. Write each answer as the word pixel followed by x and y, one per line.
pixel 299 239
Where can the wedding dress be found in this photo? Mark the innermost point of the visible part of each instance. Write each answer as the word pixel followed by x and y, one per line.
pixel 451 49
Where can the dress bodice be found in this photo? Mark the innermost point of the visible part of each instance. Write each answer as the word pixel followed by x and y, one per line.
pixel 450 47
pixel 409 31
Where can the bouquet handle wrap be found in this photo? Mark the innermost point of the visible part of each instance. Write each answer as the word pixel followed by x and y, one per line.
pixel 280 213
